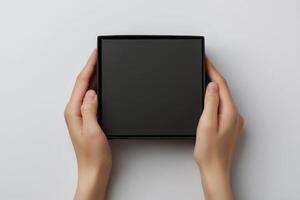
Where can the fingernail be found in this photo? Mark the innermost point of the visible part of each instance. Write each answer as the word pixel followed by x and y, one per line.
pixel 212 87
pixel 90 95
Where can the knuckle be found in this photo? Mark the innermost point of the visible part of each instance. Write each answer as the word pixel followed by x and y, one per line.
pixel 67 112
pixel 86 107
pixel 204 156
pixel 242 120
pixel 223 81
pixel 196 156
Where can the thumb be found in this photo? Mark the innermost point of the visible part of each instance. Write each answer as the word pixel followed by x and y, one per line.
pixel 211 105
pixel 89 112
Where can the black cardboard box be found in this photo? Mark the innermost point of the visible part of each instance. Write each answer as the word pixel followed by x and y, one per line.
pixel 150 86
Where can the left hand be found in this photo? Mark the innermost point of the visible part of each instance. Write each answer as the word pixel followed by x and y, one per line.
pixel 90 143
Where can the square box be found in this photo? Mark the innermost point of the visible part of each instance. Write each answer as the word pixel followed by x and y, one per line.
pixel 150 86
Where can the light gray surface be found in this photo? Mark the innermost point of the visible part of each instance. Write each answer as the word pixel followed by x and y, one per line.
pixel 43 45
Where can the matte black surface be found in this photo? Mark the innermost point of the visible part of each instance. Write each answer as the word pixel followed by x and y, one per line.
pixel 150 86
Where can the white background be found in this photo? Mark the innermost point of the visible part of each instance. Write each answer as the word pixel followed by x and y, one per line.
pixel 44 44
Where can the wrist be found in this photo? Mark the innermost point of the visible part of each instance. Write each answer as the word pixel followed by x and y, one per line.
pixel 216 182
pixel 92 184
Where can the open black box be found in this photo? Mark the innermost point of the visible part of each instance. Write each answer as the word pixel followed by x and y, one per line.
pixel 150 86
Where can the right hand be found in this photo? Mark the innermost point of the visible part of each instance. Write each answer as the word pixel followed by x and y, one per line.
pixel 218 132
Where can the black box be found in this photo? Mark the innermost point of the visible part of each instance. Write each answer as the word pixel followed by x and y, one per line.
pixel 150 86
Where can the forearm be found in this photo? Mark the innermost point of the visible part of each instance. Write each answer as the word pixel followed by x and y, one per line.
pixel 216 184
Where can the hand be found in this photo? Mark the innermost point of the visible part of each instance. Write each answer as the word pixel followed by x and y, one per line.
pixel 217 135
pixel 91 146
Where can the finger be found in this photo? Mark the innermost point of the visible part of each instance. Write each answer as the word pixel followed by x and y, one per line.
pixel 211 104
pixel 82 84
pixel 226 100
pixel 240 123
pixel 89 113
pixel 72 111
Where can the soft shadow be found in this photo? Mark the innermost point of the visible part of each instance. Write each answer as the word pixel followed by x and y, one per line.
pixel 128 152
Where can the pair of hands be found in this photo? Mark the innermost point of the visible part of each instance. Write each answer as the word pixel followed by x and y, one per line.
pixel 217 135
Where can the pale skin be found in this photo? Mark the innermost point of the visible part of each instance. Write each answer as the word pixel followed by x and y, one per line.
pixel 218 132
pixel 217 135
